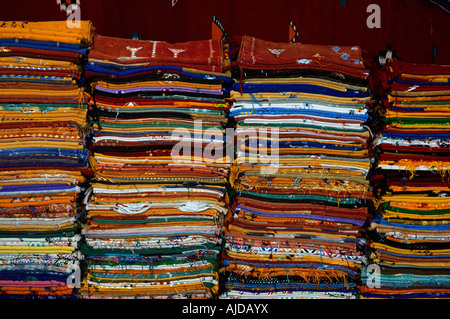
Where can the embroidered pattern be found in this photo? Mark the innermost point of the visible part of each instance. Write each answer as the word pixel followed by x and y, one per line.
pixel 276 52
pixel 304 61
pixel 176 52
pixel 133 51
pixel 64 4
pixel 218 31
pixel 293 34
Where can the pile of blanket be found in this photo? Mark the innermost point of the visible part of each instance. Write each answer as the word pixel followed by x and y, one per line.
pixel 300 187
pixel 43 156
pixel 158 190
pixel 409 246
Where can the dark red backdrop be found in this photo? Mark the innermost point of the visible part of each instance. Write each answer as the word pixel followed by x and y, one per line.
pixel 409 26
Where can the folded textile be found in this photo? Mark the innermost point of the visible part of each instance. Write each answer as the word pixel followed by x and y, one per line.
pixel 44 162
pixel 408 246
pixel 206 55
pixel 158 193
pixel 258 54
pixel 300 180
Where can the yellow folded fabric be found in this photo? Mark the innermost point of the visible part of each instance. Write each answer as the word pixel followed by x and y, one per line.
pixel 235 95
pixel 52 31
pixel 36 63
pixel 36 250
pixel 338 86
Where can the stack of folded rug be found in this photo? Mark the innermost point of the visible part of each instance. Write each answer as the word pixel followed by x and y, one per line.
pixel 160 168
pixel 409 247
pixel 300 177
pixel 43 158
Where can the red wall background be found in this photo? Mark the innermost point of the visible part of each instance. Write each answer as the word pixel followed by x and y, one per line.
pixel 408 25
